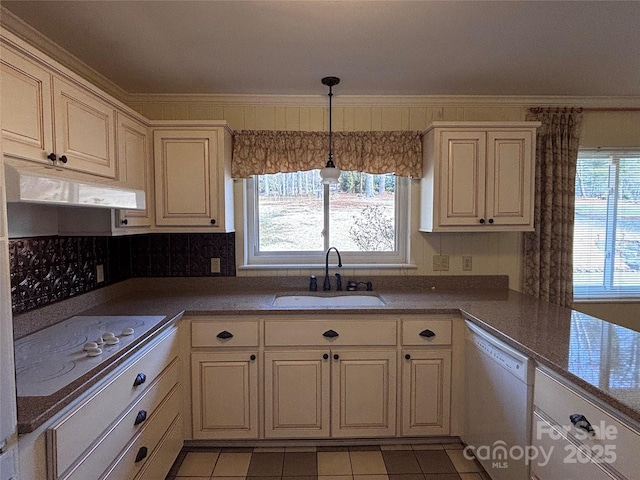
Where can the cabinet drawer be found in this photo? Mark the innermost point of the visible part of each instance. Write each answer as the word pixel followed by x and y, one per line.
pixel 147 440
pixel 563 460
pixel 70 437
pixel 211 333
pixel 440 328
pixel 280 333
pixel 559 402
pixel 166 452
pixel 101 455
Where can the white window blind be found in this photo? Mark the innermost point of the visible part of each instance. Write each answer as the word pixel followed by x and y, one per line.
pixel 606 256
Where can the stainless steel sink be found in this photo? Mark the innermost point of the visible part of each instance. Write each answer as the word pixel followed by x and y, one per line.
pixel 328 301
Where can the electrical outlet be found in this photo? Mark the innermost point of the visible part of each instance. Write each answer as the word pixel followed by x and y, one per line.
pixel 441 263
pixel 467 264
pixel 99 273
pixel 215 265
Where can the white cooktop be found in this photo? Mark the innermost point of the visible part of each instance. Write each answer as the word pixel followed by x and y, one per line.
pixel 51 359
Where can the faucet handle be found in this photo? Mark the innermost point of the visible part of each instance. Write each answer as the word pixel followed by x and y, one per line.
pixel 338 282
pixel 313 284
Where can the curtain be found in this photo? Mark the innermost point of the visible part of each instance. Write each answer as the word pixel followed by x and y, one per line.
pixel 258 152
pixel 548 251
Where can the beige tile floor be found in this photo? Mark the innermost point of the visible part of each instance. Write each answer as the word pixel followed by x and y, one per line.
pixel 386 462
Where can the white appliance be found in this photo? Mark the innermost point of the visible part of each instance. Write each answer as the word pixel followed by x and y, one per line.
pixel 498 403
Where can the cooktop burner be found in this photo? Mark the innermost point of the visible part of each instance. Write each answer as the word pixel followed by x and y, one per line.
pixel 50 359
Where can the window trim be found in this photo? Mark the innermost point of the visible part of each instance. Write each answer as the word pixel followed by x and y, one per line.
pixel 585 293
pixel 378 260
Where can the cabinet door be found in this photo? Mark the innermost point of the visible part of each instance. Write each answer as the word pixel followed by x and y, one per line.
pixel 297 394
pixel 462 182
pixel 27 124
pixel 185 173
pixel 134 162
pixel 426 392
pixel 509 177
pixel 84 130
pixel 225 395
pixel 363 386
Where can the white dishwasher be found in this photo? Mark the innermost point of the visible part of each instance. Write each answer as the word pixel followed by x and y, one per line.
pixel 498 404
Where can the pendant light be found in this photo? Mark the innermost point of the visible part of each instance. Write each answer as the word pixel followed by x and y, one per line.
pixel 330 172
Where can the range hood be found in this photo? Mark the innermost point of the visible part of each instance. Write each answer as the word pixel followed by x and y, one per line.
pixel 34 186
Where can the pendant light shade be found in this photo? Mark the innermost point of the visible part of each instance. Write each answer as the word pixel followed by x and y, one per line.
pixel 330 173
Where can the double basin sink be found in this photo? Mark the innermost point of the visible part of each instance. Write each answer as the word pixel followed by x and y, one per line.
pixel 328 301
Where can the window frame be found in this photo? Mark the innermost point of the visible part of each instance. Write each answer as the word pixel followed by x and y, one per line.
pixel 397 259
pixel 607 290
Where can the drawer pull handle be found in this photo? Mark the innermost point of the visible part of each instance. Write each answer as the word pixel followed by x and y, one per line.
pixel 581 423
pixel 142 454
pixel 140 379
pixel 330 334
pixel 225 335
pixel 141 417
pixel 427 333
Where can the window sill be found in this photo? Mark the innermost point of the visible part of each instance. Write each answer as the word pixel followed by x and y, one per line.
pixel 354 266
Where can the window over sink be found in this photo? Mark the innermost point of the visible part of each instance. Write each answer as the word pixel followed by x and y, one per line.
pixel 606 256
pixel 292 218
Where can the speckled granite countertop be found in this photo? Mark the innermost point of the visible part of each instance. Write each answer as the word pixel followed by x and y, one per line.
pixel 600 357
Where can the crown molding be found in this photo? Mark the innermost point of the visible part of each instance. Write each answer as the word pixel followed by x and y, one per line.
pixel 432 101
pixel 46 45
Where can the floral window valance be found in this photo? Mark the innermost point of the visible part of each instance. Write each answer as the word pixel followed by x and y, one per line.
pixel 258 152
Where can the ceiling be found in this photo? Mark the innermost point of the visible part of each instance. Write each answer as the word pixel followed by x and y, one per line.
pixel 583 48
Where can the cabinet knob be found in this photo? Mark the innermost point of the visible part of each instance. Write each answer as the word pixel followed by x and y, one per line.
pixel 225 335
pixel 252 357
pixel 213 221
pixel 52 156
pixel 141 417
pixel 142 454
pixel 63 159
pixel 140 379
pixel 482 220
pixel 125 222
pixel 336 356
pixel 491 220
pixel 325 356
pixel 330 334
pixel 407 356
pixel 427 333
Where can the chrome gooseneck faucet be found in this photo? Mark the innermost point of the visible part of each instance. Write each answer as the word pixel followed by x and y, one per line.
pixel 327 283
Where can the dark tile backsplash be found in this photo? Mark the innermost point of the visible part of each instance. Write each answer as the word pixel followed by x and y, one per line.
pixel 48 269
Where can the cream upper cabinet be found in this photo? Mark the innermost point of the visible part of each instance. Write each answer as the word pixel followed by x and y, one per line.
pixel 134 159
pixel 84 127
pixel 192 178
pixel 478 176
pixel 50 121
pixel 27 120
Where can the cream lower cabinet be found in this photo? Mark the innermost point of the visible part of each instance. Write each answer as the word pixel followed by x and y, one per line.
pixel 610 451
pixel 224 377
pixel 478 176
pixel 225 395
pixel 426 392
pixel 337 393
pixel 426 376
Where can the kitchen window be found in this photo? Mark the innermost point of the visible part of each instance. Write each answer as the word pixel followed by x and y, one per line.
pixel 293 218
pixel 606 256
